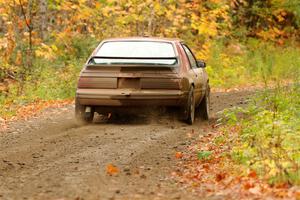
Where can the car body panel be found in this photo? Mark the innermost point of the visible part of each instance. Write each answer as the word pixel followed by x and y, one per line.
pixel 138 85
pixel 130 97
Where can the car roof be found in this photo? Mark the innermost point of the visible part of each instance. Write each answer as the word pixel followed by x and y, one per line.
pixel 152 39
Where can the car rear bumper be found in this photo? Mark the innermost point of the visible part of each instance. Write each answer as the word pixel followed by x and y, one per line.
pixel 131 97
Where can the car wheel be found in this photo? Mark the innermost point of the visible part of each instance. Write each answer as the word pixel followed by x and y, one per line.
pixel 191 107
pixel 204 106
pixel 81 115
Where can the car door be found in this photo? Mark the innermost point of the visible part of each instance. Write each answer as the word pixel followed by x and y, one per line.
pixel 197 73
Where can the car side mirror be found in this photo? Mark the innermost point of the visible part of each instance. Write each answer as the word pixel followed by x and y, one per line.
pixel 201 64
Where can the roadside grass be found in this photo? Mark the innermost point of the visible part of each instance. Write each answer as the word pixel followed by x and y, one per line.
pixel 47 84
pixel 252 63
pixel 267 136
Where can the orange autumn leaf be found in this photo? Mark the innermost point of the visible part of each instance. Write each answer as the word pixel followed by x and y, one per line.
pixel 178 155
pixel 280 41
pixel 252 174
pixel 20 24
pixel 283 185
pixel 111 170
pixel 220 177
pixel 297 194
pixel 248 185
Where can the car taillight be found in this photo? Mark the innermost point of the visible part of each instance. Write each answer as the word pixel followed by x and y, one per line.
pixel 97 82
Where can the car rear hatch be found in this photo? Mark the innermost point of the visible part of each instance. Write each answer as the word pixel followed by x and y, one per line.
pixel 129 85
pixel 129 76
pixel 131 72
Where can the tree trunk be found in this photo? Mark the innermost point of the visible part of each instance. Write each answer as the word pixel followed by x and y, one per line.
pixel 150 21
pixel 43 18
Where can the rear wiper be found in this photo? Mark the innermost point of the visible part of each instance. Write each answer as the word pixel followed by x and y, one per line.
pixel 92 59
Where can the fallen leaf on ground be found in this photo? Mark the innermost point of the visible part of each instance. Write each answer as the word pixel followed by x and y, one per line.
pixel 252 174
pixel 179 155
pixel 111 170
pixel 248 185
pixel 220 177
pixel 297 194
pixel 210 173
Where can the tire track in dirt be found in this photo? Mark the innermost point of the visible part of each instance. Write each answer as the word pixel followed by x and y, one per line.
pixel 50 157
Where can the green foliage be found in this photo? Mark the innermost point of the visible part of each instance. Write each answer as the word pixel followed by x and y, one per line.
pixel 293 6
pixel 237 64
pixel 219 140
pixel 204 155
pixel 269 136
pixel 51 79
pixel 271 20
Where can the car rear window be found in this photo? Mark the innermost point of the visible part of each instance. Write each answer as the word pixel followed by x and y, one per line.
pixel 135 52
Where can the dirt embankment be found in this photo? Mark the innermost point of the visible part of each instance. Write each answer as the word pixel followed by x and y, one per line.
pixel 50 157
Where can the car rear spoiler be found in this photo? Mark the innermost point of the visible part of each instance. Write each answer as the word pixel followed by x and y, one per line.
pixel 89 63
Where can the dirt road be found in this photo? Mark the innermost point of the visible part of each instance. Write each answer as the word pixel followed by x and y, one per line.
pixel 51 157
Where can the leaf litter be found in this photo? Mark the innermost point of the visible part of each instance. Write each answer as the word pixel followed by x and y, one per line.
pixel 206 169
pixel 31 110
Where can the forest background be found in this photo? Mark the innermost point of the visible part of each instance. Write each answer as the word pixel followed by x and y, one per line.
pixel 246 43
pixel 44 43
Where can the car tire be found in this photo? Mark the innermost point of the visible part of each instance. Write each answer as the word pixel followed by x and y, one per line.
pixel 204 107
pixel 81 116
pixel 190 109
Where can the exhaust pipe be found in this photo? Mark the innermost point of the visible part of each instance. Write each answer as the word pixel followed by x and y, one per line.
pixel 88 111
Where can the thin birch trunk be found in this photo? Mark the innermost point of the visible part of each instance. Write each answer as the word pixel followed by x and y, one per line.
pixel 43 19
